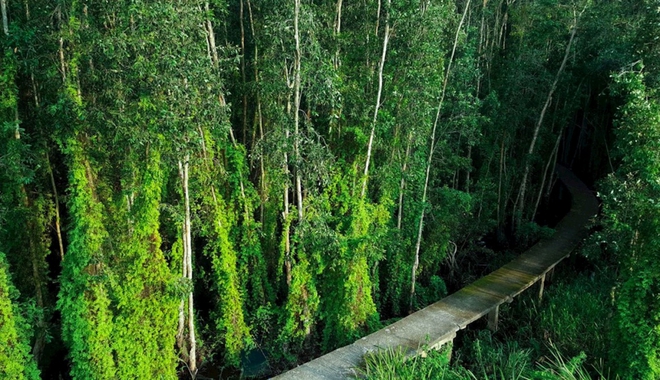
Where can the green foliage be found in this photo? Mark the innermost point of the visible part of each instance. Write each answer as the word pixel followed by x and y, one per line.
pixel 301 306
pixel 630 198
pixel 349 309
pixel 433 292
pixel 493 361
pixel 529 233
pixel 395 364
pixel 560 368
pixel 576 316
pixel 25 209
pixel 87 324
pixel 110 97
pixel 16 362
pixel 144 311
pixel 230 321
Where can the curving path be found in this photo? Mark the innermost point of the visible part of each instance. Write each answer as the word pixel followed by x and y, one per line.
pixel 438 323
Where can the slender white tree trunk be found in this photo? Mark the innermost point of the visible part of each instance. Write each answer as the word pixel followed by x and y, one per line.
pixel 430 158
pixel 187 267
pixel 551 159
pixel 61 46
pixel 243 75
pixel 56 201
pixel 467 171
pixel 211 37
pixel 378 18
pixel 296 117
pixel 262 179
pixel 285 213
pixel 402 186
pixel 386 40
pixel 214 59
pixel 520 204
pixel 180 335
pixel 499 184
pixel 5 22
pixel 337 32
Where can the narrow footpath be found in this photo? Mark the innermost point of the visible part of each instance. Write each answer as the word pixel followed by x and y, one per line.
pixel 438 323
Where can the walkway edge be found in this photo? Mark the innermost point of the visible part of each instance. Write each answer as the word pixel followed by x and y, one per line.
pixel 437 324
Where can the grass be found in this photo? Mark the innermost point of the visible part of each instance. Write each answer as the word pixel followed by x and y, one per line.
pixel 501 362
pixel 564 338
pixel 396 364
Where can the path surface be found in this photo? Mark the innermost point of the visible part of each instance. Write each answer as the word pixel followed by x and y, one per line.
pixel 438 323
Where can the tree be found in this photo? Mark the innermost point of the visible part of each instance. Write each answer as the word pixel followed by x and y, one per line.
pixel 630 196
pixel 16 362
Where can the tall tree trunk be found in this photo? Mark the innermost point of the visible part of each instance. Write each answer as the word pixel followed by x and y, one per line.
pixel 336 112
pixel 285 213
pixel 501 40
pixel 187 266
pixel 480 47
pixel 296 110
pixel 553 179
pixel 211 37
pixel 337 32
pixel 467 174
pixel 402 185
pixel 386 40
pixel 430 158
pixel 378 17
pixel 56 201
pixel 214 50
pixel 61 46
pixel 180 336
pixel 499 184
pixel 34 241
pixel 260 118
pixel 483 189
pixel 180 332
pixel 5 22
pixel 243 76
pixel 520 204
pixel 551 159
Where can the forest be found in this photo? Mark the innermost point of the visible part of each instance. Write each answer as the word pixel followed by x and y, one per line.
pixel 184 183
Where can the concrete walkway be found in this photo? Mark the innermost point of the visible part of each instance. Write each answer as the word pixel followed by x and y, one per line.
pixel 438 323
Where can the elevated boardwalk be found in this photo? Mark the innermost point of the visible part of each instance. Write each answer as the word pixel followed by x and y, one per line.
pixel 438 323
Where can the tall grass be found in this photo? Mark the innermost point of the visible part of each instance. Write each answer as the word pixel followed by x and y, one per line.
pixel 396 364
pixel 495 361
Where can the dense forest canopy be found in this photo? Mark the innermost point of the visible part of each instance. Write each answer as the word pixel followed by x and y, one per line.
pixel 183 181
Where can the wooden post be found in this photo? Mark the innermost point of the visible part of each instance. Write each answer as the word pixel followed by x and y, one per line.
pixel 550 273
pixel 541 285
pixel 493 318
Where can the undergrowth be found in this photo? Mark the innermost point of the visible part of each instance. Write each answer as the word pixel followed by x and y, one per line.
pixel 564 337
pixel 494 361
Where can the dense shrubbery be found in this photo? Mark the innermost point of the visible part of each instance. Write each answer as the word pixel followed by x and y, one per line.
pixel 631 200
